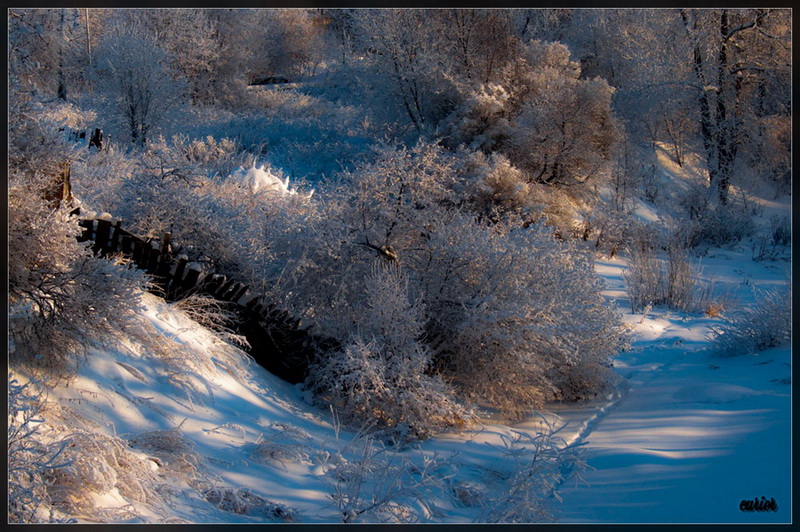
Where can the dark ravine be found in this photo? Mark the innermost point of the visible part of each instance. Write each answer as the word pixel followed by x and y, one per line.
pixel 278 341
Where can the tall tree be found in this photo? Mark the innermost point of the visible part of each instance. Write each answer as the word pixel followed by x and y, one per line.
pixel 136 76
pixel 732 73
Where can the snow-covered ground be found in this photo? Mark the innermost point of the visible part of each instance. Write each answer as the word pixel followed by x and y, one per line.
pixel 691 434
pixel 685 438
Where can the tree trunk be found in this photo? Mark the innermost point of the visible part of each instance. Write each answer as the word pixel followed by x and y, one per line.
pixel 61 90
pixel 725 131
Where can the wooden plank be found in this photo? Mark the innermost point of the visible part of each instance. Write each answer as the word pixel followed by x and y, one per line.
pixel 87 230
pixel 212 282
pixel 192 276
pixel 152 257
pixel 239 292
pixel 126 246
pixel 224 288
pixel 138 251
pixel 180 269
pixel 102 235
pixel 115 238
pixel 165 244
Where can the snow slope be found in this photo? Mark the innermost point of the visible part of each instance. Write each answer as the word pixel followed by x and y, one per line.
pixel 191 409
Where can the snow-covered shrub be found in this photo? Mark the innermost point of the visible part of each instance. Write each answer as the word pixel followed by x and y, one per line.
pixel 277 452
pixel 32 456
pixel 244 502
pixel 551 123
pixel 381 375
pixel 372 483
pixel 213 314
pixel 97 465
pixel 714 224
pixel 496 189
pixel 35 146
pixel 780 230
pixel 98 177
pixel 541 463
pixel 60 294
pixel 192 160
pixel 503 305
pixel 775 240
pixel 482 121
pixel 766 324
pixel 500 306
pixel 172 449
pixel 657 281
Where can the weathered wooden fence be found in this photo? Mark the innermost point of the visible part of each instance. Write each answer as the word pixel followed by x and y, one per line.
pixel 278 342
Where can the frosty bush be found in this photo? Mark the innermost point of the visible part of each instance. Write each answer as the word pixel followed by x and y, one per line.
pixel 551 123
pixel 752 330
pixel 774 242
pixel 213 314
pixel 714 224
pixel 381 374
pixel 655 281
pixel 245 502
pixel 499 306
pixel 371 483
pixel 31 457
pixel 59 293
pixel 172 449
pixel 97 464
pixel 541 463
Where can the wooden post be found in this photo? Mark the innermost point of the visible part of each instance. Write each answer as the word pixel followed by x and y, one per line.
pixel 224 288
pixel 190 281
pixel 66 186
pixel 238 292
pixel 127 244
pixel 173 287
pixel 211 283
pixel 102 235
pixel 152 257
pixel 165 243
pixel 138 251
pixel 115 238
pixel 88 230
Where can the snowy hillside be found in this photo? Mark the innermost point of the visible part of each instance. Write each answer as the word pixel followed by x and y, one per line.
pixel 197 424
pixel 527 265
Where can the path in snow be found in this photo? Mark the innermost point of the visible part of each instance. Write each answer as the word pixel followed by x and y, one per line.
pixel 689 436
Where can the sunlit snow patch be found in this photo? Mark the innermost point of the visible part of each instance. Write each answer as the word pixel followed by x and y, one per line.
pixel 260 179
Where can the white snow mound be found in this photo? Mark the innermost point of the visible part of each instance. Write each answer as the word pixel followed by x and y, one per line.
pixel 260 179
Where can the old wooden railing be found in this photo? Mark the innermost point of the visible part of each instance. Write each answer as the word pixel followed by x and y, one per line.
pixel 277 340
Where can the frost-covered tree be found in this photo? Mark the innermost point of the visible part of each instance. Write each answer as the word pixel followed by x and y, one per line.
pixel 739 58
pixel 404 48
pixel 60 294
pixel 135 76
pixel 48 50
pixel 544 116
